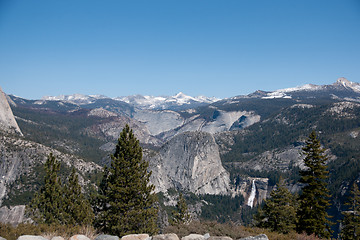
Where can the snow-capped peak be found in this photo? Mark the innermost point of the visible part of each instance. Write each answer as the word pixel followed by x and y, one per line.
pixel 165 102
pixel 74 98
pixel 347 84
pixel 283 93
pixel 286 93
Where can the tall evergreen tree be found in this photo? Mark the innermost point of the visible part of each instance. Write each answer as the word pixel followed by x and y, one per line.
pixel 351 221
pixel 181 215
pixel 314 199
pixel 279 211
pixel 126 195
pixel 77 207
pixel 48 204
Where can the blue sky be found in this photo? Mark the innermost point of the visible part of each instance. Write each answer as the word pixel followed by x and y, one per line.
pixel 214 48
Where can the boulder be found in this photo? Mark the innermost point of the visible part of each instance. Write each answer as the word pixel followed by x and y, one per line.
pixel 193 237
pixel 57 238
pixel 14 214
pixel 136 237
pixel 220 238
pixel 106 237
pixel 1 238
pixel 31 237
pixel 258 237
pixel 169 236
pixel 79 237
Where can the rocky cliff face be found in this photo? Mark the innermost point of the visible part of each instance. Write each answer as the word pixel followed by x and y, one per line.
pixel 174 123
pixel 7 119
pixel 190 162
pixel 20 161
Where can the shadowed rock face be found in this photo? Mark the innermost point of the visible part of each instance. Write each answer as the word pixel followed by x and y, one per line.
pixel 7 119
pixel 190 162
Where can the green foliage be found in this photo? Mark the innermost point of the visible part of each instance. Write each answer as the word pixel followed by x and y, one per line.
pixel 231 230
pixel 351 221
pixel 56 204
pixel 126 202
pixel 221 208
pixel 279 211
pixel 313 201
pixel 181 215
pixel 77 207
pixel 61 129
pixel 48 204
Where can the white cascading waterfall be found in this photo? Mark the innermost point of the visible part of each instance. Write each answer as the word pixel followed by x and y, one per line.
pixel 250 202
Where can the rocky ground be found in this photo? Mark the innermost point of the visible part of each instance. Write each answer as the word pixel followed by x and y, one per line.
pixel 170 236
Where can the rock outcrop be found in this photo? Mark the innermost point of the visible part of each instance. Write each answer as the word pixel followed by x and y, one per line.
pixel 258 237
pixel 190 162
pixel 19 159
pixel 7 119
pixel 168 236
pixel 13 215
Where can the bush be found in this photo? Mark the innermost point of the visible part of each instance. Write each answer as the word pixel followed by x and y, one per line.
pixel 231 230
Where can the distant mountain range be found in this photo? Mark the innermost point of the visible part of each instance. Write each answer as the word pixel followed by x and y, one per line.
pixel 183 101
pixel 178 101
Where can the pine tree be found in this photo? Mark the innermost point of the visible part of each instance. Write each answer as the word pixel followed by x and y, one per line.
pixel 351 221
pixel 78 208
pixel 126 197
pixel 279 211
pixel 314 199
pixel 181 215
pixel 48 204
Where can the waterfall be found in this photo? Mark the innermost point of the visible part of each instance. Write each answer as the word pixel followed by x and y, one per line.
pixel 250 202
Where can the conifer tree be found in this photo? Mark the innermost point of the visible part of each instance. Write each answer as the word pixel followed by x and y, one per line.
pixel 48 204
pixel 181 215
pixel 351 221
pixel 126 195
pixel 279 211
pixel 78 208
pixel 314 199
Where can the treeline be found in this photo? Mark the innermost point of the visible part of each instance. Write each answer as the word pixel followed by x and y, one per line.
pixel 284 212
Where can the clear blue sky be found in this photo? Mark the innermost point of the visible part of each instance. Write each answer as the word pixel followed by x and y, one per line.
pixel 215 48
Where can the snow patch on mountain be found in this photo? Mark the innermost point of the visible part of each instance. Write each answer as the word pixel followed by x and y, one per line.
pixel 283 93
pixel 80 99
pixel 164 102
pixel 286 93
pixel 138 101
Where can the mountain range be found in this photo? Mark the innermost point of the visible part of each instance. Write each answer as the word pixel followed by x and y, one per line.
pixel 178 101
pixel 194 144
